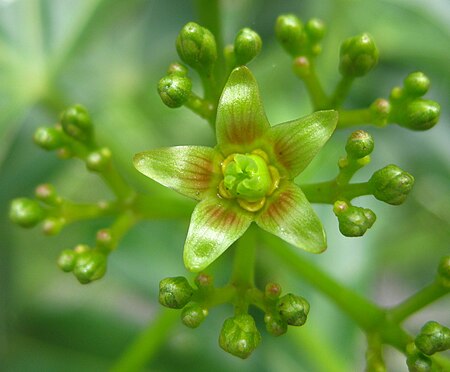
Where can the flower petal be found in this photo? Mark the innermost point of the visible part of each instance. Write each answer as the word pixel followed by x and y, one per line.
pixel 290 217
pixel 240 115
pixel 297 142
pixel 190 170
pixel 215 225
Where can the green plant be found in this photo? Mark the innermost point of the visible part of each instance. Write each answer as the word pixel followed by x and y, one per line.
pixel 249 176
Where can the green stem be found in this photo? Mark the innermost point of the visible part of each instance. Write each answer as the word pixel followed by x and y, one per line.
pixel 425 296
pixel 161 207
pixel 201 107
pixel 121 226
pixel 124 192
pixel 328 192
pixel 72 212
pixel 341 91
pixel 316 93
pixel 374 353
pixel 146 345
pixel 351 118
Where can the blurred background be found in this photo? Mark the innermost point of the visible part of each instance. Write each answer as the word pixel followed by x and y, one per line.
pixel 108 55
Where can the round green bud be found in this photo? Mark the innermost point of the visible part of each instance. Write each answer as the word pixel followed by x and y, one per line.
pixel 391 184
pixel 354 221
pixel 77 124
pixel 64 153
pixel 177 69
pixel 247 45
pixel 315 28
pixel 98 161
pixel 418 363
pixel 196 46
pixel 174 90
pixel 416 84
pixel 358 55
pixel 379 111
pixel 293 309
pixel 66 260
pixel 301 67
pixel 432 338
pixel 444 271
pixel 48 138
pixel 193 315
pixel 275 325
pixel 26 212
pixel 239 336
pixel 247 177
pixel 272 291
pixel 104 239
pixel 289 32
pixel 359 144
pixel 90 265
pixel 53 225
pixel 203 280
pixel 175 292
pixel 47 194
pixel 421 114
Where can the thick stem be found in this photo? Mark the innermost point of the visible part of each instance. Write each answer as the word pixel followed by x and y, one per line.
pixel 328 192
pixel 147 344
pixel 352 118
pixel 418 301
pixel 341 91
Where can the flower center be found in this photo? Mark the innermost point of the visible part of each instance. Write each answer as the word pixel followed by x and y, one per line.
pixel 249 179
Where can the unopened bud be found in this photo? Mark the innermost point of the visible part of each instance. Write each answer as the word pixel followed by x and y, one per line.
pixel 275 325
pixel 67 260
pixel 239 336
pixel 433 337
pixel 77 124
pixel 177 69
pixel 175 292
pixel 391 184
pixel 196 46
pixel 358 55
pixel 444 271
pixel 53 225
pixel 354 221
pixel 247 46
pixel 26 212
pixel 416 84
pixel 272 291
pixel 379 111
pixel 47 194
pixel 359 144
pixel 289 32
pixel 48 138
pixel 90 265
pixel 193 315
pixel 293 309
pixel 98 160
pixel 174 90
pixel 421 114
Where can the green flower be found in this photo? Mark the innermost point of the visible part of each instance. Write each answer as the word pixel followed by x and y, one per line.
pixel 247 177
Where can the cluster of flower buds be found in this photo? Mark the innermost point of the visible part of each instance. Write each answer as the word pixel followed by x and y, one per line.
pixel 239 335
pixel 298 39
pixel 409 109
pixel 87 264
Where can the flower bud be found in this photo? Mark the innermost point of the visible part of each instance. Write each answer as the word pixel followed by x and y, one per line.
pixel 66 260
pixel 315 28
pixel 203 280
pixel 289 32
pixel 239 336
pixel 90 265
pixel 301 67
pixel 293 309
pixel 104 239
pixel 358 55
pixel 98 160
pixel 77 124
pixel 275 325
pixel 26 212
pixel 47 194
pixel 444 271
pixel 379 111
pixel 420 114
pixel 416 84
pixel 354 221
pixel 174 90
pixel 247 46
pixel 196 46
pixel 48 138
pixel 432 338
pixel 175 292
pixel 193 315
pixel 418 363
pixel 391 184
pixel 272 291
pixel 177 69
pixel 53 225
pixel 359 144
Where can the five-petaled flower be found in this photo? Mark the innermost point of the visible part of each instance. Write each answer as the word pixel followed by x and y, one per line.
pixel 247 177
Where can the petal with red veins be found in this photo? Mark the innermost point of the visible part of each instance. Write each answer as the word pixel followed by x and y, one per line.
pixel 215 225
pixel 290 216
pixel 297 142
pixel 190 170
pixel 241 120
